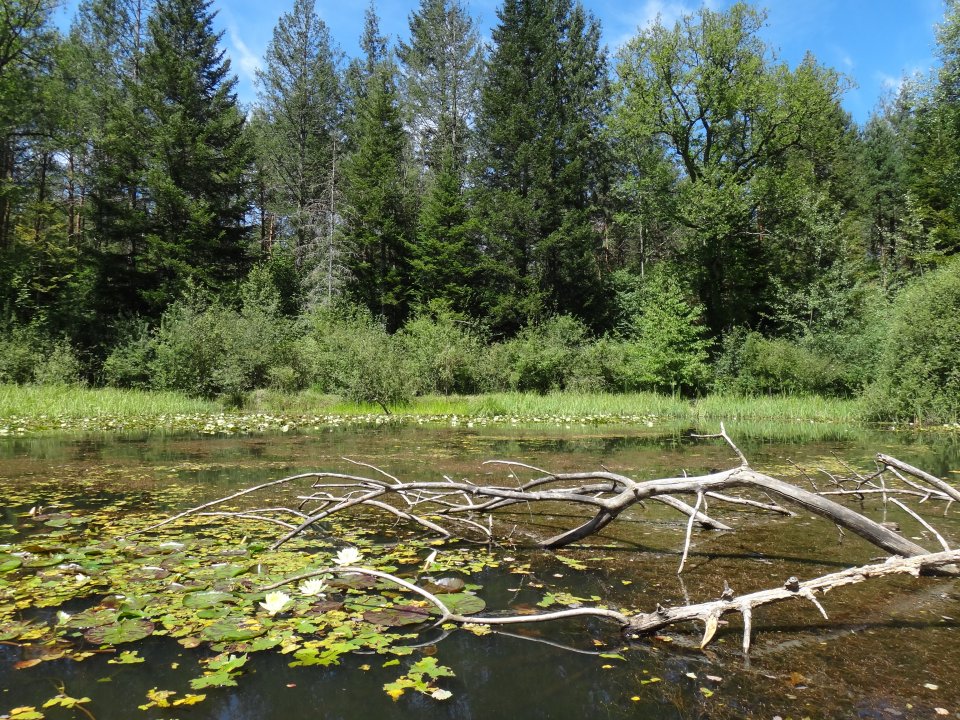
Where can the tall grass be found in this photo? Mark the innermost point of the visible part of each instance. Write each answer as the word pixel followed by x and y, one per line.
pixel 72 401
pixel 76 402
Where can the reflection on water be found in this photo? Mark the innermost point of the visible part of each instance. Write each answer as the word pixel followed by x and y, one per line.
pixel 884 646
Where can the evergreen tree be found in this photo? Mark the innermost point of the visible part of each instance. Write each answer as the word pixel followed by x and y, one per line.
pixel 445 258
pixel 299 101
pixel 197 154
pixel 375 232
pixel 442 70
pixel 109 37
pixel 542 164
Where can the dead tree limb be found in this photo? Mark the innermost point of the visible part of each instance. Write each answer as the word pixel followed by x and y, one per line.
pixel 942 486
pixel 710 612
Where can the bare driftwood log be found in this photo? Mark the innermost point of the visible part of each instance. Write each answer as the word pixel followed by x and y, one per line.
pixel 459 509
pixel 453 509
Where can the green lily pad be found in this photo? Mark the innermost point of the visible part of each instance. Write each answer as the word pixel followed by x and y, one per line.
pixel 199 600
pixel 231 629
pixel 464 603
pixel 94 617
pixel 444 585
pixel 9 562
pixel 397 616
pixel 128 630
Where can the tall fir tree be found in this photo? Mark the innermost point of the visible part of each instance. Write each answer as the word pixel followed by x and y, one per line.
pixel 542 163
pixel 442 72
pixel 109 37
pixel 376 229
pixel 299 102
pixel 197 153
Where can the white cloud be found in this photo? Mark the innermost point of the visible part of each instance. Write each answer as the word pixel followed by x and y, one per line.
pixel 247 62
pixel 890 83
pixel 647 14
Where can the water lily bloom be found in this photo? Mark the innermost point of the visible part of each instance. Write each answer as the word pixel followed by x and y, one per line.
pixel 313 587
pixel 274 602
pixel 347 556
pixel 80 578
pixel 62 617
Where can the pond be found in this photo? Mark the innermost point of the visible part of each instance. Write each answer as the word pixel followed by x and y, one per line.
pixel 889 648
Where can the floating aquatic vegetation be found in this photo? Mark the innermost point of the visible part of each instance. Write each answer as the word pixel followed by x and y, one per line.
pixel 72 590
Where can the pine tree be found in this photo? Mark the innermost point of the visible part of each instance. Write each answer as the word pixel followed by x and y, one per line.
pixel 198 155
pixel 375 232
pixel 542 163
pixel 442 70
pixel 299 102
pixel 445 257
pixel 109 37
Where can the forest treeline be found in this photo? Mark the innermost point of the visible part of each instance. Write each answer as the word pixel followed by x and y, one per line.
pixel 444 215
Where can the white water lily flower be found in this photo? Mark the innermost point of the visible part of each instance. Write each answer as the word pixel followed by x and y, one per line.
pixel 441 694
pixel 80 578
pixel 62 617
pixel 313 587
pixel 347 556
pixel 274 602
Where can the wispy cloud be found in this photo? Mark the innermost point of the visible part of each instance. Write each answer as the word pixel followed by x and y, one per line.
pixel 247 61
pixel 647 14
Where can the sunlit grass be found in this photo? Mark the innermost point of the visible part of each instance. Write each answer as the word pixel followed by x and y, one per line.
pixel 77 402
pixel 71 401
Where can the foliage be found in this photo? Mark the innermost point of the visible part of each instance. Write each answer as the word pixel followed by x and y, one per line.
pixel 444 352
pixel 28 355
pixel 664 342
pixel 919 369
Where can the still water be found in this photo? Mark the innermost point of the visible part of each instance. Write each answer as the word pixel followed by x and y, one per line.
pixel 890 649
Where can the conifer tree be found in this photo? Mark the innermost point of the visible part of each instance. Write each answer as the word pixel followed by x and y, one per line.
pixel 542 162
pixel 375 233
pixel 197 153
pixel 442 70
pixel 299 102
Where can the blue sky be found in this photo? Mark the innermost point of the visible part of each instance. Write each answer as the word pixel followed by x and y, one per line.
pixel 874 42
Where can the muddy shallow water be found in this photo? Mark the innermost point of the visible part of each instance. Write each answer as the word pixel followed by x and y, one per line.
pixel 890 648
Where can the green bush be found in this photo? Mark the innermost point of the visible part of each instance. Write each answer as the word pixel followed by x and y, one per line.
pixel 918 377
pixel 445 353
pixel 542 358
pixel 129 363
pixel 20 352
pixel 353 355
pixel 663 341
pixel 754 365
pixel 28 356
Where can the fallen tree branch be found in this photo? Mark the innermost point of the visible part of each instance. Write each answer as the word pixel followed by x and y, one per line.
pixel 710 612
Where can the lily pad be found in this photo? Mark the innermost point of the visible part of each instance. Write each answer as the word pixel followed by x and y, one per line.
pixel 9 562
pixel 397 616
pixel 94 617
pixel 128 630
pixel 464 603
pixel 198 600
pixel 444 585
pixel 231 629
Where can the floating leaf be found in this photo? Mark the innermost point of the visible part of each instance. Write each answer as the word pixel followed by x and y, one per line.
pixel 199 600
pixel 128 630
pixel 9 562
pixel 232 629
pixel 464 603
pixel 127 657
pixel 26 712
pixel 444 585
pixel 397 616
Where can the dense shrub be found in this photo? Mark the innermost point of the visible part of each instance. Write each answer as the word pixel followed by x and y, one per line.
pixel 919 370
pixel 542 358
pixel 28 355
pixel 663 342
pixel 354 355
pixel 444 352
pixel 752 365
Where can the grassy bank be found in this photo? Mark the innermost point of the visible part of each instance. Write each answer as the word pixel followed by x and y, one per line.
pixel 32 408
